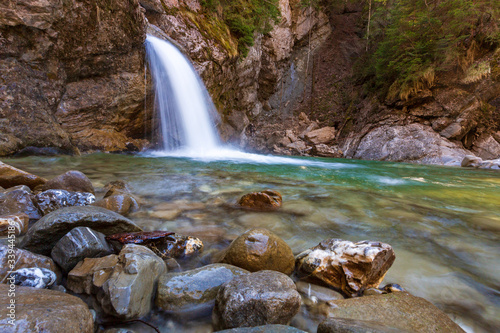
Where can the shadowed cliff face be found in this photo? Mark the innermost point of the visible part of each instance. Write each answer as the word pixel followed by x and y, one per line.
pixel 72 74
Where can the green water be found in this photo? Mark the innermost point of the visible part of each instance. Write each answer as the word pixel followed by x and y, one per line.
pixel 444 223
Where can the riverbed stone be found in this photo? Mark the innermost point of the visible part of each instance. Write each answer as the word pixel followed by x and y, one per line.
pixel 124 285
pixel 267 200
pixel 194 290
pixel 24 259
pixel 73 181
pixel 11 176
pixel 343 325
pixel 16 224
pixel 32 277
pixel 395 311
pixel 264 329
pixel 78 244
pixel 43 310
pixel 116 187
pixel 347 266
pixel 51 200
pixel 317 293
pixel 45 233
pixel 260 249
pixel 265 297
pixel 122 204
pixel 18 199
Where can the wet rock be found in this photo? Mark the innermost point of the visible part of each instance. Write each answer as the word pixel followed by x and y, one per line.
pixel 265 297
pixel 51 200
pixel 16 224
pixel 373 292
pixel 24 259
pixel 164 243
pixel 45 233
pixel 259 249
pixel 78 244
pixel 471 161
pixel 264 329
pixel 116 187
pixel 321 136
pixel 347 266
pixel 124 284
pixel 33 277
pixel 342 325
pixel 10 177
pixel 194 290
pixel 43 310
pixel 262 201
pixel 18 199
pixel 400 311
pixel 166 214
pixel 393 288
pixel 324 150
pixel 317 293
pixel 73 181
pixel 122 204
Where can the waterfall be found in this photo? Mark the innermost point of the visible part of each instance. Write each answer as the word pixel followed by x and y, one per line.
pixel 182 103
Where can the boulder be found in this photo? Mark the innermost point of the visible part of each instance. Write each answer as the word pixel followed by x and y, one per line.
pixel 471 161
pixel 78 244
pixel 321 135
pixel 32 277
pixel 264 329
pixel 194 290
pixel 42 310
pixel 265 297
pixel 153 5
pixel 116 187
pixel 396 311
pixel 16 224
pixel 24 259
pixel 260 249
pixel 268 200
pixel 124 284
pixel 347 266
pixel 73 181
pixel 45 233
pixel 51 200
pixel 343 325
pixel 324 150
pixel 164 243
pixel 17 200
pixel 122 204
pixel 10 177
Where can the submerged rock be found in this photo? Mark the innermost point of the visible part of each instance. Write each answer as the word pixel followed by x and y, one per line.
pixel 260 249
pixel 264 329
pixel 124 284
pixel 44 234
pixel 33 277
pixel 10 177
pixel 17 200
pixel 16 224
pixel 164 243
pixel 317 293
pixel 343 325
pixel 347 266
pixel 43 310
pixel 73 181
pixel 122 204
pixel 116 187
pixel 393 312
pixel 262 201
pixel 265 297
pixel 51 200
pixel 78 244
pixel 194 290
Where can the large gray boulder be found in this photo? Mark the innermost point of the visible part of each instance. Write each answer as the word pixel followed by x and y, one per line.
pixel 42 310
pixel 45 233
pixel 78 244
pixel 194 290
pixel 264 297
pixel 124 285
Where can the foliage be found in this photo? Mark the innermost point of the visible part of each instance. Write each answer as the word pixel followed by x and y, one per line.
pixel 245 17
pixel 414 39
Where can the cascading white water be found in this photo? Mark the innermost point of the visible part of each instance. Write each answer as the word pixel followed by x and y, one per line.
pixel 184 106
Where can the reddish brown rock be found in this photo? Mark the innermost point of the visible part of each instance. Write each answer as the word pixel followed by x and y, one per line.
pixel 10 177
pixel 123 204
pixel 262 201
pixel 259 249
pixel 18 223
pixel 322 135
pixel 347 266
pixel 73 181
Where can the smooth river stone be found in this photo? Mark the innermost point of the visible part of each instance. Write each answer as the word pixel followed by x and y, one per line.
pixel 267 200
pixel 123 203
pixel 17 200
pixel 347 266
pixel 45 233
pixel 33 277
pixel 10 177
pixel 73 181
pixel 78 244
pixel 43 310
pixel 194 290
pixel 51 200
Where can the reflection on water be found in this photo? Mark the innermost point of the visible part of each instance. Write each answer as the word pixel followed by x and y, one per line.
pixel 444 223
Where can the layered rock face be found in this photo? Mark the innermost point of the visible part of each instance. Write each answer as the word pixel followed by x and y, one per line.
pixel 72 74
